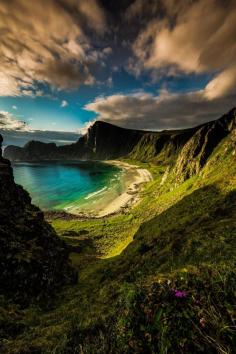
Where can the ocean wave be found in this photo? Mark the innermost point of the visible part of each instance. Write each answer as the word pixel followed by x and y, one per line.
pixel 95 193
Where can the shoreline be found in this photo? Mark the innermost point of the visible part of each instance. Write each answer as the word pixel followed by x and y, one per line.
pixel 133 178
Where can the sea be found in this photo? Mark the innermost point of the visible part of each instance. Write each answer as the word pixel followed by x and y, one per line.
pixel 72 186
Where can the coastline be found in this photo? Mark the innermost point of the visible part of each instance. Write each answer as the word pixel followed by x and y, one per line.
pixel 133 179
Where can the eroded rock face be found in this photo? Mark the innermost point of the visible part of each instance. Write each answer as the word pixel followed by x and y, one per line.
pixel 102 141
pixel 33 260
pixel 196 151
pixel 185 151
pixel 161 147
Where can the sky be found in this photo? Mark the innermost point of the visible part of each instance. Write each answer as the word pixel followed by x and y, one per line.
pixel 140 64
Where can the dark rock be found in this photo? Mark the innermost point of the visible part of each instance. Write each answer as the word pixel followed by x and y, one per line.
pixel 188 150
pixel 33 260
pixel 102 141
pixel 197 150
pixel 105 141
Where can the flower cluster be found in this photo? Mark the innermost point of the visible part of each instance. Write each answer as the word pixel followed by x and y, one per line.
pixel 179 293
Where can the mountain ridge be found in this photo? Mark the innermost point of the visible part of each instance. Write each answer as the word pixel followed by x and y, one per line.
pixel 159 278
pixel 188 149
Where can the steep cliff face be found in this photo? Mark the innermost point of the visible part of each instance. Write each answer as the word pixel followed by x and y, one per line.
pixel 108 141
pixel 33 260
pixel 102 141
pixel 161 147
pixel 197 150
pixel 187 150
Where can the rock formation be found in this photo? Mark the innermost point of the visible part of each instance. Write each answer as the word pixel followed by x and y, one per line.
pixel 196 151
pixel 187 150
pixel 33 260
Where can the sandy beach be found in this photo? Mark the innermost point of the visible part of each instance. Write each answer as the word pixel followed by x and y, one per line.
pixel 134 177
pixel 110 203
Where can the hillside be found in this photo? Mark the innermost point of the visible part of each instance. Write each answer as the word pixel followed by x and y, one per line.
pixel 33 260
pixel 160 278
pixel 105 141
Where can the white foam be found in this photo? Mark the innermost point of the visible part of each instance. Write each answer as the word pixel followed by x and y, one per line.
pixel 95 193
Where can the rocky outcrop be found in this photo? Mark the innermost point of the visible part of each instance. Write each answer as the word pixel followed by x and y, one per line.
pixel 197 150
pixel 33 260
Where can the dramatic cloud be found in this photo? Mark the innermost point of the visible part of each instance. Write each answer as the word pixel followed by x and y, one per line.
pixel 45 41
pixel 51 45
pixel 191 37
pixel 166 111
pixel 8 122
pixel 94 14
pixel 223 84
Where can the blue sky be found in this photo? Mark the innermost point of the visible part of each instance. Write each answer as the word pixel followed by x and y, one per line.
pixel 47 113
pixel 137 64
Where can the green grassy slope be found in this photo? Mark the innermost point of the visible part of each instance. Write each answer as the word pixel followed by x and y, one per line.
pixel 171 290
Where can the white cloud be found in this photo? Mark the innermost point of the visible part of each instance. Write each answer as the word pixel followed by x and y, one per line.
pixel 83 130
pixel 191 37
pixel 64 103
pixel 165 111
pixel 46 41
pixel 8 122
pixel 223 84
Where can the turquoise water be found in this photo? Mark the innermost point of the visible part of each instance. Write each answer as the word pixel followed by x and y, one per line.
pixel 65 185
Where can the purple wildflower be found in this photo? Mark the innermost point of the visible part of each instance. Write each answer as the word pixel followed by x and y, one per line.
pixel 179 293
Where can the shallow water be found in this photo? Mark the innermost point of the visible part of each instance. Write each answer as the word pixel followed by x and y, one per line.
pixel 68 185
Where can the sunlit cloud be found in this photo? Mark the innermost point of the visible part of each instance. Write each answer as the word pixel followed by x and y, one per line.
pixel 192 37
pixel 165 111
pixel 84 129
pixel 8 122
pixel 64 103
pixel 46 41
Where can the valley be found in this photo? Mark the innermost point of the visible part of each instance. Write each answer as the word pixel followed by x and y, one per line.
pixel 158 278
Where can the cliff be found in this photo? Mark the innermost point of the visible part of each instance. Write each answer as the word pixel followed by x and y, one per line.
pixel 199 148
pixel 102 141
pixel 33 260
pixel 188 150
pixel 106 141
pixel 159 279
pixel 161 147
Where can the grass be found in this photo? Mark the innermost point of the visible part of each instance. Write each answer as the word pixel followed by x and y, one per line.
pixel 130 267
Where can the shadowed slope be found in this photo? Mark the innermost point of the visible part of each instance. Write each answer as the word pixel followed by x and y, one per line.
pixel 33 260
